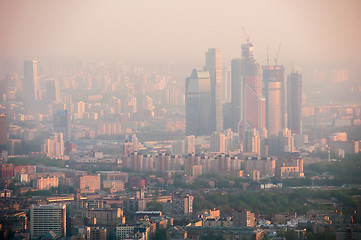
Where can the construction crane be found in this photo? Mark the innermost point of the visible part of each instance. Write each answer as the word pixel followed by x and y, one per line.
pixel 278 52
pixel 245 34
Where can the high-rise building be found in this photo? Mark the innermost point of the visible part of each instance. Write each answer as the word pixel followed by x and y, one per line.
pixel 182 204
pixel 54 146
pixel 3 132
pixel 45 218
pixel 294 101
pixel 81 109
pixel 214 67
pixel 274 92
pixel 31 82
pixel 236 96
pixel 243 218
pixel 248 103
pixel 52 91
pixel 190 144
pixel 252 142
pixel 198 104
pixel 218 142
pixel 148 106
pixel 61 123
pixel 226 85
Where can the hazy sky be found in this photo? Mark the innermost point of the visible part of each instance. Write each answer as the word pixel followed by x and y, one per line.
pixel 322 31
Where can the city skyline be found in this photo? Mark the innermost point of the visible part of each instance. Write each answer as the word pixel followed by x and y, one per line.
pixel 180 119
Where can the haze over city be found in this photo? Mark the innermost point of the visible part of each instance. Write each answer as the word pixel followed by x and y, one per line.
pixel 161 119
pixel 311 32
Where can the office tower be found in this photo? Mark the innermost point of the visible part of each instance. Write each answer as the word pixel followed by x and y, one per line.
pixel 236 93
pixel 198 104
pixel 253 102
pixel 248 103
pixel 45 218
pixel 3 132
pixel 214 67
pixel 226 85
pixel 31 82
pixel 218 142
pixel 274 92
pixel 294 101
pixel 61 123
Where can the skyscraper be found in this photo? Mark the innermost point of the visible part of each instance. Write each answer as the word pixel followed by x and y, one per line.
pixel 274 91
pixel 226 84
pixel 248 103
pixel 44 218
pixel 294 101
pixel 3 132
pixel 214 67
pixel 31 82
pixel 253 101
pixel 236 93
pixel 198 103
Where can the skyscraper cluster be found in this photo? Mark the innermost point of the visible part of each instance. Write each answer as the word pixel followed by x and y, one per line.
pixel 261 105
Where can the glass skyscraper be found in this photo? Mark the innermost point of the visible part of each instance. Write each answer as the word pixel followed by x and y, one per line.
pixel 198 104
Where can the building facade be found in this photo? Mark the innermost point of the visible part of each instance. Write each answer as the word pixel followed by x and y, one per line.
pixel 44 218
pixel 294 101
pixel 198 104
pixel 274 92
pixel 214 67
pixel 31 82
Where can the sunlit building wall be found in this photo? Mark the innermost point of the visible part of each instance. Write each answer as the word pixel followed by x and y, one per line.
pixel 274 92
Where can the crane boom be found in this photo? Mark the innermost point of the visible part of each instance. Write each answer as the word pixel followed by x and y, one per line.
pixel 277 54
pixel 245 34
